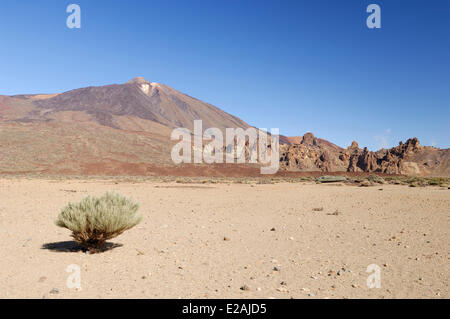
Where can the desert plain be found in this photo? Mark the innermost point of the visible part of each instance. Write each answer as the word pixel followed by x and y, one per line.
pixel 231 240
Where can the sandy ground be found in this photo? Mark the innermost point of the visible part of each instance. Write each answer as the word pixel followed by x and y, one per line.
pixel 276 246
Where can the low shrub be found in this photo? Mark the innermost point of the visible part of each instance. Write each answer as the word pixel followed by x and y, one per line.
pixel 265 181
pixel 365 183
pixel 437 181
pixel 95 220
pixel 376 179
pixel 331 179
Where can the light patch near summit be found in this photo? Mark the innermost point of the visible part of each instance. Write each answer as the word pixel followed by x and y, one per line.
pixel 145 88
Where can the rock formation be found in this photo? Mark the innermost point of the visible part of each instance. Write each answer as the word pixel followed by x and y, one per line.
pixel 406 158
pixel 310 154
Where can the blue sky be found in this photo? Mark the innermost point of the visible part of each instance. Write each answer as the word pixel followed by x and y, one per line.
pixel 296 65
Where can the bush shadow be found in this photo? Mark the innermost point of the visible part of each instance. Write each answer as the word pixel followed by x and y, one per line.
pixel 73 247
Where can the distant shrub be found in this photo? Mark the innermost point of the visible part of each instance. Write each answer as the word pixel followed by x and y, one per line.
pixel 265 181
pixel 437 181
pixel 376 179
pixel 95 220
pixel 365 183
pixel 395 181
pixel 331 179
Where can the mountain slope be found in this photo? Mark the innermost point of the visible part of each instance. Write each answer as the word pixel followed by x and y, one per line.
pixel 141 99
pixel 124 129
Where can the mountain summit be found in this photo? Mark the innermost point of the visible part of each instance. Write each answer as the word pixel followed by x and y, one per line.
pixel 138 80
pixel 141 99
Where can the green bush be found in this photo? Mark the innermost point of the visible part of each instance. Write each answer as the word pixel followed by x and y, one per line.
pixel 331 179
pixel 95 220
pixel 437 181
pixel 376 179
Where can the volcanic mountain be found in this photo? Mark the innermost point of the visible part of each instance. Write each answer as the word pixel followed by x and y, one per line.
pixel 137 98
pixel 124 129
pixel 113 129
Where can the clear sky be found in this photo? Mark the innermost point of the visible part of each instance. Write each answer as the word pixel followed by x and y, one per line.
pixel 297 65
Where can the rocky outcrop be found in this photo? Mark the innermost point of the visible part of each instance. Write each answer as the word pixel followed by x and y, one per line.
pixel 310 155
pixel 384 161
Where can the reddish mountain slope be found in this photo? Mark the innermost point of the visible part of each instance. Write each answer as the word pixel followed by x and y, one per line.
pixel 124 129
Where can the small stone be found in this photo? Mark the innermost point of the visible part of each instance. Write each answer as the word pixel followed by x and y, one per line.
pixel 283 283
pixel 272 229
pixel 245 288
pixel 276 269
pixel 311 294
pixel 258 289
pixel 354 286
pixel 26 243
pixel 282 289
pixel 336 213
pixel 54 291
pixel 226 239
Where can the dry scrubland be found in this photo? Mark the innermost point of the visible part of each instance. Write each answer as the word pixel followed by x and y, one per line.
pixel 205 238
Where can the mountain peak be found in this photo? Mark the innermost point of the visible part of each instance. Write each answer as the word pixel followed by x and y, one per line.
pixel 139 80
pixel 143 84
